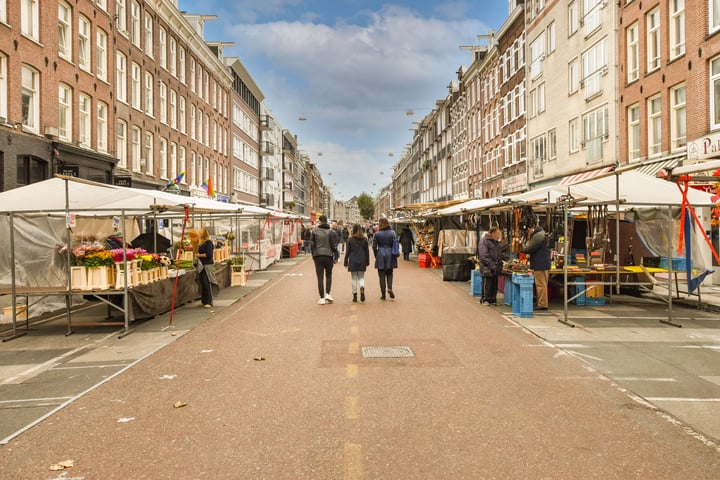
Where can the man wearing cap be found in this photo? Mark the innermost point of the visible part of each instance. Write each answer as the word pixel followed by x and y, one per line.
pixel 324 243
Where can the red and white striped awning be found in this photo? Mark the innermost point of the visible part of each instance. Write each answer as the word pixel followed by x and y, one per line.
pixel 585 176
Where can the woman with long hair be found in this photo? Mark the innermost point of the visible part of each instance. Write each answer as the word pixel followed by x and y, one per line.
pixel 357 259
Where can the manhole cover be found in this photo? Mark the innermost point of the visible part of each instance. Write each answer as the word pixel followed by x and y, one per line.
pixel 387 352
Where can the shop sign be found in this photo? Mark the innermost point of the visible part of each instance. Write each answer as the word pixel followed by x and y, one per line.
pixel 514 183
pixel 123 181
pixel 704 147
pixel 222 198
pixel 69 170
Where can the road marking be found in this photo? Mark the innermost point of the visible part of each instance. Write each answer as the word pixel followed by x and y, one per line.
pixel 47 399
pixel 352 407
pixel 80 367
pixel 354 330
pixel 681 399
pixel 352 370
pixel 645 379
pixel 353 461
pixel 354 348
pixel 353 318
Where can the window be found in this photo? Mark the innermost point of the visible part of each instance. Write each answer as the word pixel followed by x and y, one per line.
pixel 148 35
pixel 633 119
pixel 654 107
pixel 574 134
pixel 84 43
pixel 192 74
pixel 101 53
pixel 162 94
pixel 102 4
pixel 121 77
pixel 163 158
pixel 537 54
pixel 677 28
pixel 181 115
pixel 573 76
pixel 102 127
pixel 65 31
pixel 199 81
pixel 30 98
pixel 136 89
pixel 135 30
pixel 3 85
pixel 65 112
pixel 714 15
pixel 192 122
pixel 538 152
pixel 181 65
pixel 573 18
pixel 172 60
pixel 84 122
pixel 149 93
pixel 592 15
pixel 136 149
pixel 594 64
pixel 162 46
pixel 173 109
pixel 29 19
pixel 541 98
pixel 633 53
pixel 3 11
pixel 149 158
pixel 715 92
pixel 652 22
pixel 551 38
pixel 678 133
pixel 121 143
pixel 552 144
pixel 30 169
pixel 173 160
pixel 121 16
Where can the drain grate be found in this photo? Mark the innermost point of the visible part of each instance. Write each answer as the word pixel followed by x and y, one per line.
pixel 387 352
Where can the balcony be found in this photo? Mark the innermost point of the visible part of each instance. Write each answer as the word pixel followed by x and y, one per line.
pixel 267 122
pixel 267 148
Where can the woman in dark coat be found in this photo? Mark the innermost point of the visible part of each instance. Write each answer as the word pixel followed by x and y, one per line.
pixel 357 259
pixel 406 241
pixel 385 261
pixel 490 255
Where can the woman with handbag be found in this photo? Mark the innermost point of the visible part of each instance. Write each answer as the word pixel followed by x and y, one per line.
pixel 490 255
pixel 385 260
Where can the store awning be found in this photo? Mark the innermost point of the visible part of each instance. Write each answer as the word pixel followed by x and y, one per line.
pixel 653 168
pixel 585 176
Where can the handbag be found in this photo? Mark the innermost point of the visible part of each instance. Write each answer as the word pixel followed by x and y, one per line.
pixel 396 247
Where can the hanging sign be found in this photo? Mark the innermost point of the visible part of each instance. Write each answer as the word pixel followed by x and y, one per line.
pixel 69 170
pixel 70 221
pixel 123 181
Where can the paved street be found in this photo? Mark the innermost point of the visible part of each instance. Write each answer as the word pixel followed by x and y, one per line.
pixel 274 386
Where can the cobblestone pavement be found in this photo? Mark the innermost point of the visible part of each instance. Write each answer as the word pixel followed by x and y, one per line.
pixel 270 385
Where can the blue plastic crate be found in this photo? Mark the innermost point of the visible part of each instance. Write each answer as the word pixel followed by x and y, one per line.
pixel 522 305
pixel 508 287
pixel 522 278
pixel 580 299
pixel 476 283
pixel 678 263
pixel 590 301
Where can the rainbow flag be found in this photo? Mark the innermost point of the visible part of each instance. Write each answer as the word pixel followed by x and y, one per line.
pixel 208 186
pixel 175 180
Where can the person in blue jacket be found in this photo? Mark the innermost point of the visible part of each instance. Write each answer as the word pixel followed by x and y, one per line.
pixel 357 259
pixel 539 251
pixel 385 261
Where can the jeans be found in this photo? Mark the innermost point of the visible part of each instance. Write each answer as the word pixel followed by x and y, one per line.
pixel 358 280
pixel 323 268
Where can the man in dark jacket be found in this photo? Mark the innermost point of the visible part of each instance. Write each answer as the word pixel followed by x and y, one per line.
pixel 324 244
pixel 490 255
pixel 539 252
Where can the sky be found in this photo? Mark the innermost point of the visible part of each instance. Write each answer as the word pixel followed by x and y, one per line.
pixel 342 75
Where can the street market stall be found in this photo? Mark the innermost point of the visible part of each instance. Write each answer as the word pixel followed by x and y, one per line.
pixel 59 232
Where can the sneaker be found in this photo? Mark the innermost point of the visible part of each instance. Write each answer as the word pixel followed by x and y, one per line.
pixel 392 295
pixel 485 302
pixel 207 305
pixel 321 301
pixel 328 298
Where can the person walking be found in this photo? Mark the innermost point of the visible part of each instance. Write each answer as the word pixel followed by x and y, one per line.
pixel 324 244
pixel 306 236
pixel 205 253
pixel 490 256
pixel 539 252
pixel 385 261
pixel 357 259
pixel 406 241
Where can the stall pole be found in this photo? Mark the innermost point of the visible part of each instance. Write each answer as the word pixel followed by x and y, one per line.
pixel 68 239
pixel 566 254
pixel 670 270
pixel 126 295
pixel 15 333
pixel 186 216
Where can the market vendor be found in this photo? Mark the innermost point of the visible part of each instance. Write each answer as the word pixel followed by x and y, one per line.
pixel 208 282
pixel 539 252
